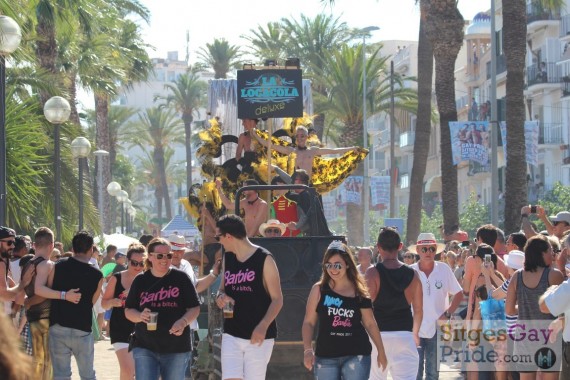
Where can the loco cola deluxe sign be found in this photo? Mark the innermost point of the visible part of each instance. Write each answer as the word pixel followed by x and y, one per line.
pixel 269 93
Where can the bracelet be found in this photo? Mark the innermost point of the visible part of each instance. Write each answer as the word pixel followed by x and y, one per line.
pixel 62 295
pixel 213 274
pixel 308 350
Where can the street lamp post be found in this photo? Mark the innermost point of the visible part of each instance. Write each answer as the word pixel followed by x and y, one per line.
pixel 126 208
pixel 366 187
pixel 57 111
pixel 80 148
pixel 100 154
pixel 113 188
pixel 122 196
pixel 10 37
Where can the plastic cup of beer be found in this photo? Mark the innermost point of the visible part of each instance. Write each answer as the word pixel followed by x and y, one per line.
pixel 229 310
pixel 153 319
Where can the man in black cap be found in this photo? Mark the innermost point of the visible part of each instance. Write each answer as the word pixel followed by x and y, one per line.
pixel 120 260
pixel 7 242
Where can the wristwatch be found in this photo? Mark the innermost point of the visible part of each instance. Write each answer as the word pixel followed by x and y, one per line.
pixel 447 314
pixel 213 274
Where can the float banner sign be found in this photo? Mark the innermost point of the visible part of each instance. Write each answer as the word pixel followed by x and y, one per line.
pixel 269 93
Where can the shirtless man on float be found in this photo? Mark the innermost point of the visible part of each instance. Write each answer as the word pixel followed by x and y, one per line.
pixel 255 208
pixel 245 144
pixel 305 155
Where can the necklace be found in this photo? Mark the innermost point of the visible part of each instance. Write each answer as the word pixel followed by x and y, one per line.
pixel 252 202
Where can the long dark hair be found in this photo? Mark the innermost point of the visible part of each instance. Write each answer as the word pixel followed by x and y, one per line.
pixel 352 273
pixel 533 250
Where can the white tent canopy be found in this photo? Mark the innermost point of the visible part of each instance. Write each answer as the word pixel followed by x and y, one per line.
pixel 121 241
pixel 179 226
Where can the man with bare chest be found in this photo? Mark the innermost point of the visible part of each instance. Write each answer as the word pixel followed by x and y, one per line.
pixel 244 141
pixel 255 209
pixel 305 154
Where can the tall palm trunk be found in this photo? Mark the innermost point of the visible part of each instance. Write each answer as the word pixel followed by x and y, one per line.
pixel 46 50
pixel 515 50
pixel 423 130
pixel 159 159
pixel 444 28
pixel 354 213
pixel 103 142
pixel 187 119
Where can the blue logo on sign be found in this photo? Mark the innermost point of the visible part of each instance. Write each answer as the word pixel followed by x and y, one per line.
pixel 269 88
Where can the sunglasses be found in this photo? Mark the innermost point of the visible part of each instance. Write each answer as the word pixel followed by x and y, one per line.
pixel 431 249
pixel 337 266
pixel 408 257
pixel 217 237
pixel 141 263
pixel 9 242
pixel 273 231
pixel 161 256
pixel 557 223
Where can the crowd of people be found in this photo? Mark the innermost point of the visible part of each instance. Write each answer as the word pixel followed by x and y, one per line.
pixel 375 311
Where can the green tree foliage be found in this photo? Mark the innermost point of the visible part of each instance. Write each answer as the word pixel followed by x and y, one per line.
pixel 554 201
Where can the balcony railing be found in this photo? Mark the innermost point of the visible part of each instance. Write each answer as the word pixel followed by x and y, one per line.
pixel 539 73
pixel 536 12
pixel 501 66
pixel 407 139
pixel 550 134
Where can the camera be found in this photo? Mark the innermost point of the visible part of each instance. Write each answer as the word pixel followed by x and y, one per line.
pixel 465 243
pixel 533 209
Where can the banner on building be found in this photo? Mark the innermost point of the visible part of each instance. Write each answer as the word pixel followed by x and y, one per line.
pixel 380 192
pixel 351 190
pixel 531 132
pixel 269 93
pixel 470 141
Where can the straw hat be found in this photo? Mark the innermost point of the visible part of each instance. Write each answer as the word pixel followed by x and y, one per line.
pixel 426 238
pixel 272 223
pixel 177 242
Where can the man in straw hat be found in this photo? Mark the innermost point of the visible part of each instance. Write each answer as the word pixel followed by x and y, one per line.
pixel 273 228
pixel 438 282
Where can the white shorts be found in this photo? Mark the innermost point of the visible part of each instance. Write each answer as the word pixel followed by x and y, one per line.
pixel 402 355
pixel 243 360
pixel 120 346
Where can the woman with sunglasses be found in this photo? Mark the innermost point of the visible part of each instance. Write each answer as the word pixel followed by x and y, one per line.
pixel 340 303
pixel 162 350
pixel 114 298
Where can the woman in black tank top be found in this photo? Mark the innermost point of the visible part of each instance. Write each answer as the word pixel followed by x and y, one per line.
pixel 114 297
pixel 341 305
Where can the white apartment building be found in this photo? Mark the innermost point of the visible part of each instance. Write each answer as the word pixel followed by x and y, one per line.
pixel 547 100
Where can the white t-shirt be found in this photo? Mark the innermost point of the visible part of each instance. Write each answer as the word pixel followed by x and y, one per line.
pixel 436 290
pixel 15 270
pixel 558 302
pixel 186 267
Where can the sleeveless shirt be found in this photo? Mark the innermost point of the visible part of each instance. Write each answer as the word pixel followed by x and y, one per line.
pixel 341 332
pixel 40 310
pixel 527 298
pixel 244 283
pixel 391 308
pixel 120 327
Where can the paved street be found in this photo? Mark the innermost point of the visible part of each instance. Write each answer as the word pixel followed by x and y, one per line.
pixel 107 367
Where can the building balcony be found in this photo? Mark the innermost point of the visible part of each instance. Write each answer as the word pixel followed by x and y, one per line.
pixel 538 17
pixel 550 134
pixel 565 28
pixel 539 77
pixel 402 60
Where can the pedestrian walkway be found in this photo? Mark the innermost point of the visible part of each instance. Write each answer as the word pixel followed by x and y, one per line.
pixel 107 367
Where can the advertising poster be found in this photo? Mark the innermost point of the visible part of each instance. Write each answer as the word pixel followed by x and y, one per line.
pixel 380 191
pixel 351 190
pixel 470 141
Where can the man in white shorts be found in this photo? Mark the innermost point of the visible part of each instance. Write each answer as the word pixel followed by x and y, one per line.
pixel 251 284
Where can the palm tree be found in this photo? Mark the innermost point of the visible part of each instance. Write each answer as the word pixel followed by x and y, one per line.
pixel 268 42
pixel 343 80
pixel 444 28
pixel 423 129
pixel 186 96
pixel 220 56
pixel 157 129
pixel 515 52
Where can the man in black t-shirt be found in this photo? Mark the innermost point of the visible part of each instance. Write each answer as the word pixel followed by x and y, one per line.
pixel 70 322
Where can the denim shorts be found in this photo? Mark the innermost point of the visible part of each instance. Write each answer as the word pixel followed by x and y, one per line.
pixel 355 367
pixel 151 365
